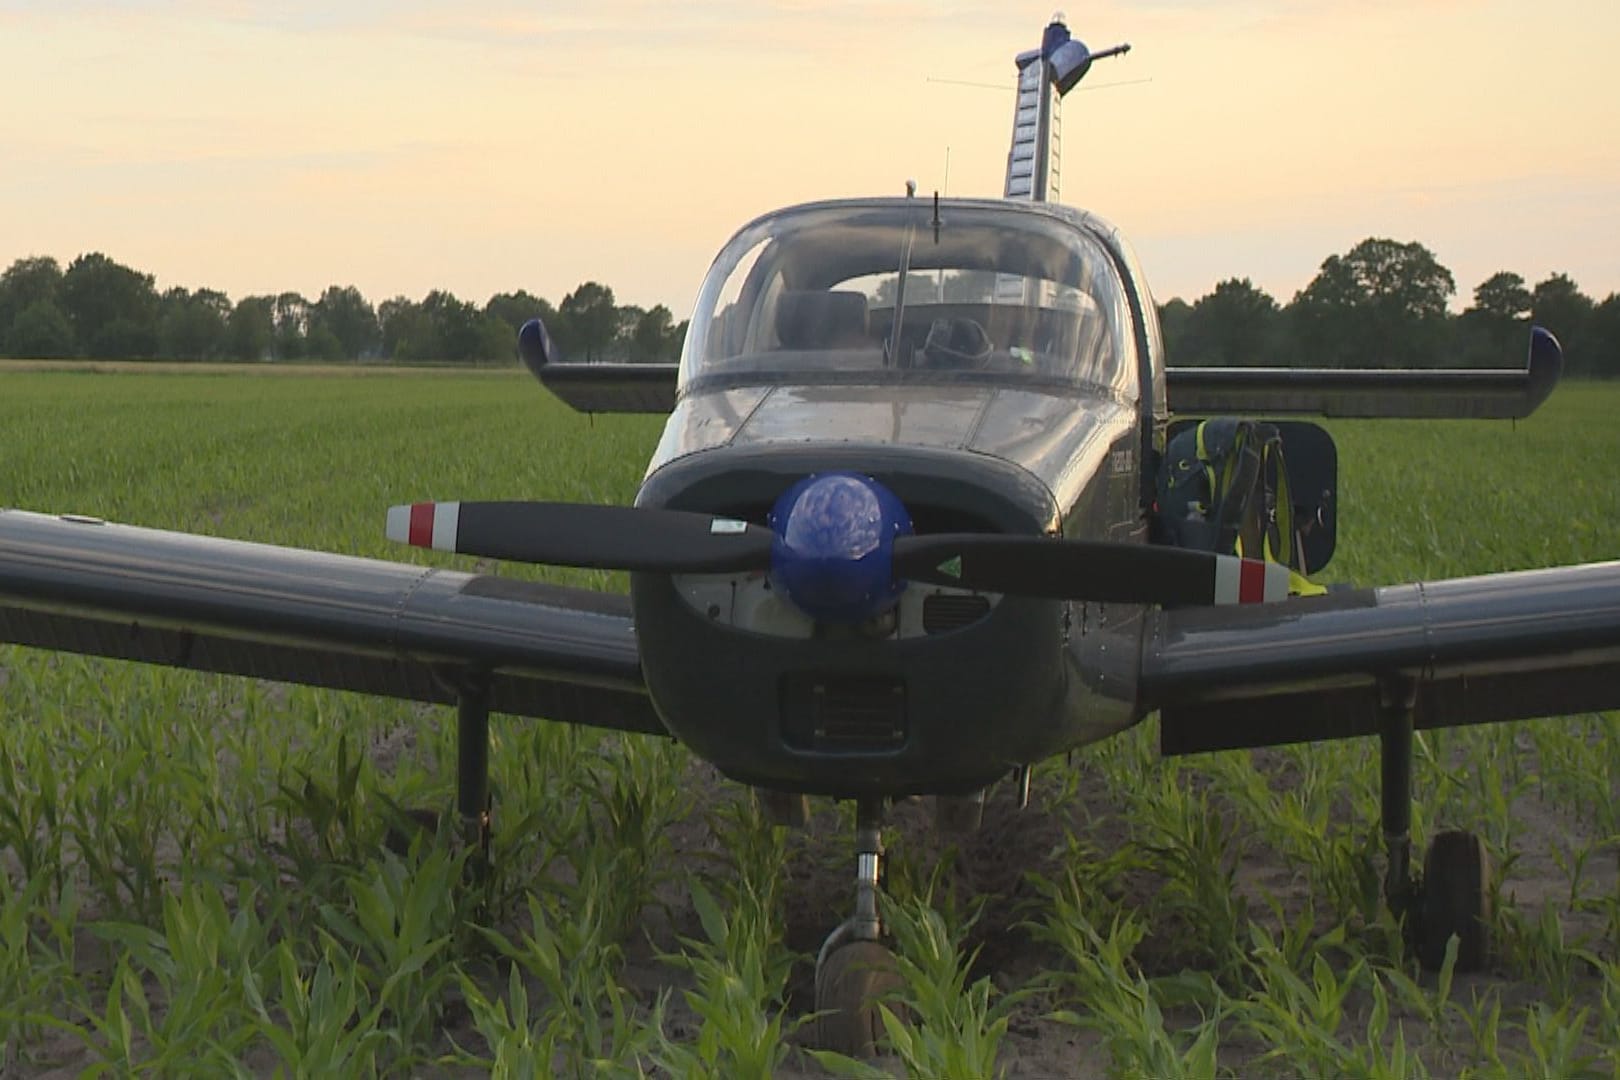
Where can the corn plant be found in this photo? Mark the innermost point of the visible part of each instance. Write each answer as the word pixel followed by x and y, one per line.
pixel 401 919
pixel 586 1023
pixel 1193 844
pixel 320 1022
pixel 185 982
pixel 1558 1045
pixel 942 1024
pixel 1102 989
pixel 741 973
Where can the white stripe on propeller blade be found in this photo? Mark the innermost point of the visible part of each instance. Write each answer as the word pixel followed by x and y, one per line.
pixel 433 525
pixel 446 519
pixel 399 524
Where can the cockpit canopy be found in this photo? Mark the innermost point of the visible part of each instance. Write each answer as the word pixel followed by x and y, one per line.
pixel 911 290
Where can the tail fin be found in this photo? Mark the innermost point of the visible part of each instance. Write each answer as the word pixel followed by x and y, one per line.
pixel 1044 76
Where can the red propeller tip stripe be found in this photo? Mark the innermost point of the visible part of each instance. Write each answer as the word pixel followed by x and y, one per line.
pixel 429 525
pixel 1249 581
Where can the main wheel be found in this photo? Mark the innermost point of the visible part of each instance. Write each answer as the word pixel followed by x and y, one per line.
pixel 1456 900
pixel 849 987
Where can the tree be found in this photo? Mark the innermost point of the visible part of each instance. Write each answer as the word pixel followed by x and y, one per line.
pixel 1603 330
pixel 1382 304
pixel 589 321
pixel 251 330
pixel 496 341
pixel 650 339
pixel 456 328
pixel 346 324
pixel 290 314
pixel 27 282
pixel 1560 306
pixel 1235 325
pixel 1502 296
pixel 625 318
pixel 113 309
pixel 194 326
pixel 41 331
pixel 322 344
pixel 406 332
pixel 1173 318
pixel 1489 331
pixel 515 309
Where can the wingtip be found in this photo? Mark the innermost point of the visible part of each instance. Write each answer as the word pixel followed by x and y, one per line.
pixel 1544 367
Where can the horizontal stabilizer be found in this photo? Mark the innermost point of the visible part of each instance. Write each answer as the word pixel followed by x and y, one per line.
pixel 612 388
pixel 1412 393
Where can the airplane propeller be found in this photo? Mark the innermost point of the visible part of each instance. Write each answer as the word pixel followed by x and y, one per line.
pixel 1087 570
pixel 579 534
pixel 840 546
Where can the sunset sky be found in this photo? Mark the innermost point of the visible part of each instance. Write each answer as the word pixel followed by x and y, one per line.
pixel 488 146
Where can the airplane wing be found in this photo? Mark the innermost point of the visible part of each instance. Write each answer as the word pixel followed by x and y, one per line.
pixel 612 388
pixel 1498 647
pixel 1435 393
pixel 391 629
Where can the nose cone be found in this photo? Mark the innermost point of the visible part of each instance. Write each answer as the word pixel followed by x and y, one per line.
pixel 833 551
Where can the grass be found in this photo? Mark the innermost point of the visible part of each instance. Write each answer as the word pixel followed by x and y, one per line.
pixel 194 879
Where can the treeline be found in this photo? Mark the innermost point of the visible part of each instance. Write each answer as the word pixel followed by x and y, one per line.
pixel 1385 304
pixel 100 309
pixel 1382 304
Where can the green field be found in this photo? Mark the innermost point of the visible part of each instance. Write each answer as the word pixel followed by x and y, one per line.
pixel 194 879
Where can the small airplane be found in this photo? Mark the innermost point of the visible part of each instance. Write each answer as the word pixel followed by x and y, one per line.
pixel 902 537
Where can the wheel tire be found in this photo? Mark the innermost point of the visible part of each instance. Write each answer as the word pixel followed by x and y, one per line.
pixel 849 987
pixel 1456 900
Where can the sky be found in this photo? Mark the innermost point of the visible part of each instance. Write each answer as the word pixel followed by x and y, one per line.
pixel 490 145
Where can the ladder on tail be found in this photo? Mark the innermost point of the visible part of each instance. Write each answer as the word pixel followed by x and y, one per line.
pixel 1044 76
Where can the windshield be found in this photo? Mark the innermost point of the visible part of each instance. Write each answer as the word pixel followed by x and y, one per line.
pixel 989 292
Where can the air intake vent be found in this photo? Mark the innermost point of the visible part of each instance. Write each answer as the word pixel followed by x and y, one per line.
pixel 944 612
pixel 842 714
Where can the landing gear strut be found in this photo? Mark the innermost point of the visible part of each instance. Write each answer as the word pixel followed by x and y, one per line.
pixel 472 781
pixel 854 970
pixel 1452 896
pixel 472 765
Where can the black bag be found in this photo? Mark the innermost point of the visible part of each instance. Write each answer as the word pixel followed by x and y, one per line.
pixel 1222 487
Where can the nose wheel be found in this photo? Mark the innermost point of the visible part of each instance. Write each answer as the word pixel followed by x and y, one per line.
pixel 855 971
pixel 851 983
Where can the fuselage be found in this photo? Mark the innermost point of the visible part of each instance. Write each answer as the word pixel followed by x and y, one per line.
pixel 1036 419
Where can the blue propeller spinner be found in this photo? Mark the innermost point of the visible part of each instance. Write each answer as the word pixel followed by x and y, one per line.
pixel 832 551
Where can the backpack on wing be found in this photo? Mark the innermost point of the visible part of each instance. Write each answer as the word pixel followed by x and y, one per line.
pixel 1223 487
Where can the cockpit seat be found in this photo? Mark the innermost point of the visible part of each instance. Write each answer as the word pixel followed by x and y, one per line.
pixel 820 319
